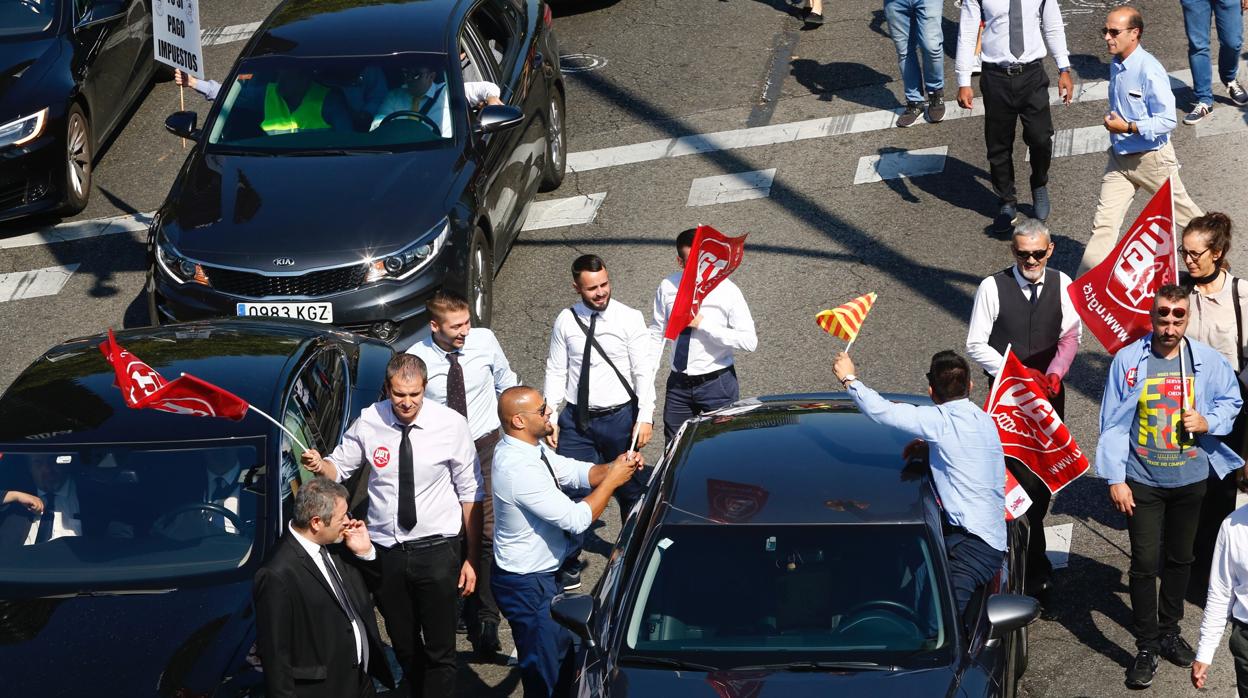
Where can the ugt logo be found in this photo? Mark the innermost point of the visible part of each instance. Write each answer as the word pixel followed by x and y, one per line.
pixel 1132 280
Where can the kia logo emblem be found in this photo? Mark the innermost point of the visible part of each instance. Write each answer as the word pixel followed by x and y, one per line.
pixel 283 262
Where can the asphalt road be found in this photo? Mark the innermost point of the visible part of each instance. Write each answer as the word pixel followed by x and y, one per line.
pixel 646 70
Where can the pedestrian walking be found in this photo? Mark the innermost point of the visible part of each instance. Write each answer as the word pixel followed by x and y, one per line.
pixel 1226 600
pixel 1015 88
pixel 1228 17
pixel 1165 399
pixel 534 531
pixel 467 372
pixel 424 487
pixel 1026 307
pixel 914 26
pixel 1140 119
pixel 704 373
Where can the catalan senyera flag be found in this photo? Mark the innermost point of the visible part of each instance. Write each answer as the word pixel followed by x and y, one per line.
pixel 844 321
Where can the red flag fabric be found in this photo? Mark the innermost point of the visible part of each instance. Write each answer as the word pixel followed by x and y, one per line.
pixel 1017 501
pixel 711 259
pixel 135 379
pixel 143 388
pixel 1030 430
pixel 1115 297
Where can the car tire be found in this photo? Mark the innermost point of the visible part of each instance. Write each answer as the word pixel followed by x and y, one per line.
pixel 556 161
pixel 480 279
pixel 78 150
pixel 1020 653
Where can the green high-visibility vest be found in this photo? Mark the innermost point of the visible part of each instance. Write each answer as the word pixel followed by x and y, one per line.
pixel 307 117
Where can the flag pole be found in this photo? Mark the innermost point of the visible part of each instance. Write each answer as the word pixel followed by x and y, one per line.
pixel 281 426
pixel 1174 229
pixel 851 343
pixel 996 380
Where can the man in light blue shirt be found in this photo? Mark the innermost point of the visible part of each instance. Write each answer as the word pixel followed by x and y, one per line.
pixel 1140 119
pixel 968 464
pixel 534 525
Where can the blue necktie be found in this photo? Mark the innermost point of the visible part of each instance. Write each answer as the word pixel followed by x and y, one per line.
pixel 680 357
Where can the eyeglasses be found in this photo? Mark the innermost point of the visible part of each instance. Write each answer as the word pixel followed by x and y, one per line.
pixel 1037 255
pixel 1167 311
pixel 1114 32
pixel 1192 255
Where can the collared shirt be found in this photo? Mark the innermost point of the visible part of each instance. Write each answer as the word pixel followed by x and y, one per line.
pixel 988 306
pixel 1212 318
pixel 968 465
pixel 1139 91
pixel 1228 584
pixel 433 104
pixel 314 551
pixel 1038 31
pixel 726 326
pixel 445 460
pixel 532 516
pixel 623 335
pixel 65 520
pixel 487 374
pixel 1217 400
pixel 230 501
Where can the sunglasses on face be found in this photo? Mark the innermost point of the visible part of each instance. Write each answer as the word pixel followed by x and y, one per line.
pixel 1166 311
pixel 539 411
pixel 1114 32
pixel 1037 255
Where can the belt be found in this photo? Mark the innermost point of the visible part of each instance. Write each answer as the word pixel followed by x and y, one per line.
pixel 1012 68
pixel 420 543
pixel 692 381
pixel 602 411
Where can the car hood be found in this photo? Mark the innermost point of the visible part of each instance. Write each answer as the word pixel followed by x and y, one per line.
pixel 144 644
pixel 631 681
pixel 245 211
pixel 23 63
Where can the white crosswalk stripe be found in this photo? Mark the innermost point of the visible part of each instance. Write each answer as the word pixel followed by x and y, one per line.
pixel 1057 539
pixel 722 189
pixel 1079 141
pixel 215 36
pixel 901 163
pixel 32 284
pixel 80 230
pixel 1222 121
pixel 559 213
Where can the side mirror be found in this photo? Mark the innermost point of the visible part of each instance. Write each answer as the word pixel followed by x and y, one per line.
pixel 183 124
pixel 1009 612
pixel 498 117
pixel 574 611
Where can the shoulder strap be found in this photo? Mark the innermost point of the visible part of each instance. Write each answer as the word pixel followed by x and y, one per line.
pixel 1239 323
pixel 593 341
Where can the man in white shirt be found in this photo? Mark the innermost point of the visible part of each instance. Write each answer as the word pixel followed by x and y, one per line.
pixel 704 376
pixel 1014 87
pixel 424 486
pixel 61 515
pixel 1227 600
pixel 426 94
pixel 467 372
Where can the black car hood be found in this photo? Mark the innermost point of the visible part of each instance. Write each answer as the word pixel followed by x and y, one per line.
pixel 245 211
pixel 931 683
pixel 147 644
pixel 23 63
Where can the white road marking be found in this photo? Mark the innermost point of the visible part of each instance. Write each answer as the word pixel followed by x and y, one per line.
pixel 1079 141
pixel 215 36
pixel 1058 539
pixel 35 283
pixel 557 213
pixel 1222 120
pixel 902 163
pixel 80 230
pixel 724 189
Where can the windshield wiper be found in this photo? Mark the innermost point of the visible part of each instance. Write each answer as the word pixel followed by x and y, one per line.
pixel 334 151
pixel 805 665
pixel 218 150
pixel 666 662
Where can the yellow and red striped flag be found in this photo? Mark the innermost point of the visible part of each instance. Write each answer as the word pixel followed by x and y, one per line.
pixel 844 321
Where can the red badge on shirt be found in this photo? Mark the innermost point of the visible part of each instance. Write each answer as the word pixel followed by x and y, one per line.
pixel 381 456
pixel 1131 377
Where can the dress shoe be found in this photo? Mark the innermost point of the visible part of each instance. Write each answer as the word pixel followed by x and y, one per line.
pixel 1004 222
pixel 487 644
pixel 1040 203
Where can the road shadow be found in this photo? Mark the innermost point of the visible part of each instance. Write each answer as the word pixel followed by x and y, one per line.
pixel 854 81
pixel 570 8
pixel 958 183
pixel 469 684
pixel 1087 594
pixel 1088 67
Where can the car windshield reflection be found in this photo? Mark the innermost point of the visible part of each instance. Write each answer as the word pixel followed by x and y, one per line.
pixel 128 514
pixel 19 18
pixel 776 593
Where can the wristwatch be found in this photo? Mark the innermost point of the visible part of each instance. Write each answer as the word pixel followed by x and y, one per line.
pixel 849 378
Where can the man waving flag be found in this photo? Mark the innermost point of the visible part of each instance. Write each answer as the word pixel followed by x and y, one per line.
pixel 844 321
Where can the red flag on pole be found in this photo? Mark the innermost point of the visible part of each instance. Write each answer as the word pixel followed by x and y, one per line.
pixel 135 379
pixel 1030 430
pixel 143 388
pixel 1115 297
pixel 711 259
pixel 1017 501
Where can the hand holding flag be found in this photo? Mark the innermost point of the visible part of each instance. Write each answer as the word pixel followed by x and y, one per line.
pixel 844 321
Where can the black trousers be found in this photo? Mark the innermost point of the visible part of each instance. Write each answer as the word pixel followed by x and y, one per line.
pixel 1008 99
pixel 1039 569
pixel 1162 531
pixel 419 586
pixel 1239 652
pixel 1219 503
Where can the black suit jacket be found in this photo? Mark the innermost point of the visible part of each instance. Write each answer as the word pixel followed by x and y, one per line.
pixel 97 508
pixel 303 635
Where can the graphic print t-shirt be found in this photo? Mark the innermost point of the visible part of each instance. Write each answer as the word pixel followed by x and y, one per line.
pixel 1161 457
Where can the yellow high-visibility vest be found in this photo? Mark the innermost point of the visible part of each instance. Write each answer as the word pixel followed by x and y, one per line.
pixel 307 117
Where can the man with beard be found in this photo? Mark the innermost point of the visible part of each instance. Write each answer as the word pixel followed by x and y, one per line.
pixel 1026 307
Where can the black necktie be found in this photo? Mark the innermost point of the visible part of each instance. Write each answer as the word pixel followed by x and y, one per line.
pixel 44 534
pixel 407 481
pixel 1017 44
pixel 1034 291
pixel 221 490
pixel 456 395
pixel 582 387
pixel 680 356
pixel 335 581
pixel 542 454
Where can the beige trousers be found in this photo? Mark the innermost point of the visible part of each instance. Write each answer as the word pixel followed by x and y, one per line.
pixel 1124 175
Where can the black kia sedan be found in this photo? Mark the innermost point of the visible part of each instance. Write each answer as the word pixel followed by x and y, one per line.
pixel 70 70
pixel 783 550
pixel 360 156
pixel 141 586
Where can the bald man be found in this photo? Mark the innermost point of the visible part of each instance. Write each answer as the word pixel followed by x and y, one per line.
pixel 534 522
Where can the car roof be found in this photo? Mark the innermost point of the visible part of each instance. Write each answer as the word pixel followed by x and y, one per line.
pixel 69 394
pixel 793 459
pixel 354 27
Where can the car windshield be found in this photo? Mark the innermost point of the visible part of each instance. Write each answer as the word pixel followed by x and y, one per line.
pixel 21 17
pixel 730 596
pixel 324 104
pixel 112 514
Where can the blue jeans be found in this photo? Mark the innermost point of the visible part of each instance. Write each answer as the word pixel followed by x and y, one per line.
pixel 1229 18
pixel 542 645
pixel 972 562
pixel 915 24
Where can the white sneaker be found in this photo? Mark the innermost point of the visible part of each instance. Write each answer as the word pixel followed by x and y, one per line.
pixel 1238 94
pixel 1194 116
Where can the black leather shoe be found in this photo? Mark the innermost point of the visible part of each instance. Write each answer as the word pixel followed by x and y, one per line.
pixel 487 644
pixel 1176 650
pixel 1140 675
pixel 1004 222
pixel 814 20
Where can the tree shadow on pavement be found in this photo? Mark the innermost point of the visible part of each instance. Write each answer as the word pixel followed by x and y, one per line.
pixel 854 81
pixel 958 184
pixel 1089 593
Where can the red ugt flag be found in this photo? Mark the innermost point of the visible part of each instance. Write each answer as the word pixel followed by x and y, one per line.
pixel 713 257
pixel 143 388
pixel 1114 298
pixel 1017 501
pixel 1030 430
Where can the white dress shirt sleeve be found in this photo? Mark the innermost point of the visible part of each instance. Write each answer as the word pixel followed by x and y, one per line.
pixel 349 454
pixel 465 468
pixel 1218 600
pixel 659 311
pixel 504 377
pixel 923 422
pixel 541 498
pixel 641 365
pixel 479 92
pixel 1054 32
pixel 739 332
pixel 571 473
pixel 968 31
pixel 983 314
pixel 556 384
pixel 1072 332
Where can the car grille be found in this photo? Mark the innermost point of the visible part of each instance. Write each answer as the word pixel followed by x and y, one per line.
pixel 12 194
pixel 314 283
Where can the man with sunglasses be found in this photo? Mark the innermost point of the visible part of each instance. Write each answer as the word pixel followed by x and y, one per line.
pixel 1166 399
pixel 534 526
pixel 1026 307
pixel 1140 119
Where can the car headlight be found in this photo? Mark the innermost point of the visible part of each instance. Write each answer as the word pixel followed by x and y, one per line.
pixel 178 267
pixel 410 259
pixel 23 130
